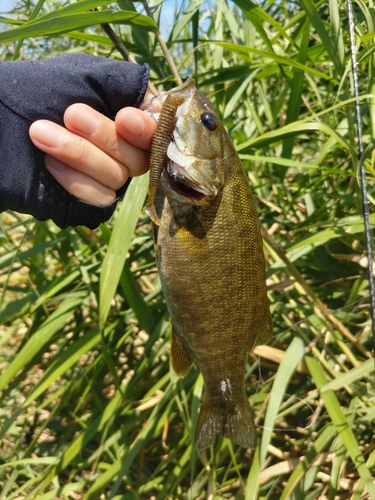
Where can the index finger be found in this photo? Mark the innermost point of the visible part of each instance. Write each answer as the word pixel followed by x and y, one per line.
pixel 131 150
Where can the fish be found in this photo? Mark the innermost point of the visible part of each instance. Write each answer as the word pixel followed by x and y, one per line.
pixel 210 259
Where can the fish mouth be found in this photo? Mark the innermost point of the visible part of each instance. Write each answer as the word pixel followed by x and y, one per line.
pixel 178 165
pixel 183 185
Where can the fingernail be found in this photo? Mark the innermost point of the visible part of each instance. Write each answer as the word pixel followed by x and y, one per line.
pixel 132 122
pixel 47 133
pixel 83 119
pixel 54 164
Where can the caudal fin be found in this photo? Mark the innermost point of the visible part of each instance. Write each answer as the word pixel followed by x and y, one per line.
pixel 236 423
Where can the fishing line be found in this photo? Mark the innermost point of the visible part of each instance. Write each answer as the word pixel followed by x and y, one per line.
pixel 261 381
pixel 148 107
pixel 365 203
pixel 280 429
pixel 330 311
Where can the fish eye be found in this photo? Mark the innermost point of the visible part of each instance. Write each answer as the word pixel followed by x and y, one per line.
pixel 209 120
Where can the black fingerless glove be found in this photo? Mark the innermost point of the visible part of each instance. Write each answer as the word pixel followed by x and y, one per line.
pixel 33 90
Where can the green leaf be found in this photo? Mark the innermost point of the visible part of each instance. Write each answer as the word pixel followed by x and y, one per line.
pixel 342 426
pixel 364 369
pixel 316 21
pixel 289 62
pixel 65 23
pixel 39 339
pixel 121 466
pixel 121 238
pixel 274 160
pixel 259 17
pixel 320 444
pixel 296 89
pixel 135 300
pixel 288 365
pixel 185 18
pixel 252 484
pixel 291 130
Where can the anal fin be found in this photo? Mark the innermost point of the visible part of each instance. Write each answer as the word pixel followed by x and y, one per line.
pixel 181 360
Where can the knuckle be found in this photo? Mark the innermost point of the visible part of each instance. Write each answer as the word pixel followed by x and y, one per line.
pixel 79 149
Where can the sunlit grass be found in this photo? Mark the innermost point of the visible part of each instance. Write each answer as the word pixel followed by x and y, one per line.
pixel 89 408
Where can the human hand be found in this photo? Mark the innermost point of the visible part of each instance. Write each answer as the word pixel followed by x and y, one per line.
pixel 93 156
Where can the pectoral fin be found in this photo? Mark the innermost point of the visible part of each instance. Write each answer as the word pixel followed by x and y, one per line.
pixel 151 212
pixel 155 232
pixel 181 360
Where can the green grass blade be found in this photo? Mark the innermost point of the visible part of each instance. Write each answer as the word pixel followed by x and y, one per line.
pixel 288 365
pixel 39 339
pixel 122 235
pixel 122 464
pixel 340 455
pixel 299 472
pixel 296 89
pixel 75 447
pixel 269 56
pixel 343 428
pixel 318 24
pixel 293 164
pixel 64 361
pixel 185 18
pixel 259 17
pixel 364 369
pixel 290 130
pixel 66 23
pixel 66 489
pixel 135 299
pixel 358 490
pixel 252 484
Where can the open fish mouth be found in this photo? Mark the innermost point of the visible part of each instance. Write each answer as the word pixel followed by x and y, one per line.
pixel 183 185
pixel 179 179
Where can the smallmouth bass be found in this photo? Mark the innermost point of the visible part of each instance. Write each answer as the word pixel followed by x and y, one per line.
pixel 210 259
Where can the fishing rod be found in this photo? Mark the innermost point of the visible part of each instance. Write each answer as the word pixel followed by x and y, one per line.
pixel 365 203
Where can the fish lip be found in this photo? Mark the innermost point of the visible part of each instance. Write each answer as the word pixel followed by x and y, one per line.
pixel 184 186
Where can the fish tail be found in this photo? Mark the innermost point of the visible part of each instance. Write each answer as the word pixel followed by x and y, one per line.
pixel 235 423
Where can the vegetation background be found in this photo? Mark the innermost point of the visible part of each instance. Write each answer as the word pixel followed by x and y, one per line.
pixel 89 408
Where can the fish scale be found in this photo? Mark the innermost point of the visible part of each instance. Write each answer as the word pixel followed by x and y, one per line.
pixel 211 265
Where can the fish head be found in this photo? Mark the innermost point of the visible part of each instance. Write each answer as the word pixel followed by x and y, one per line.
pixel 196 158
